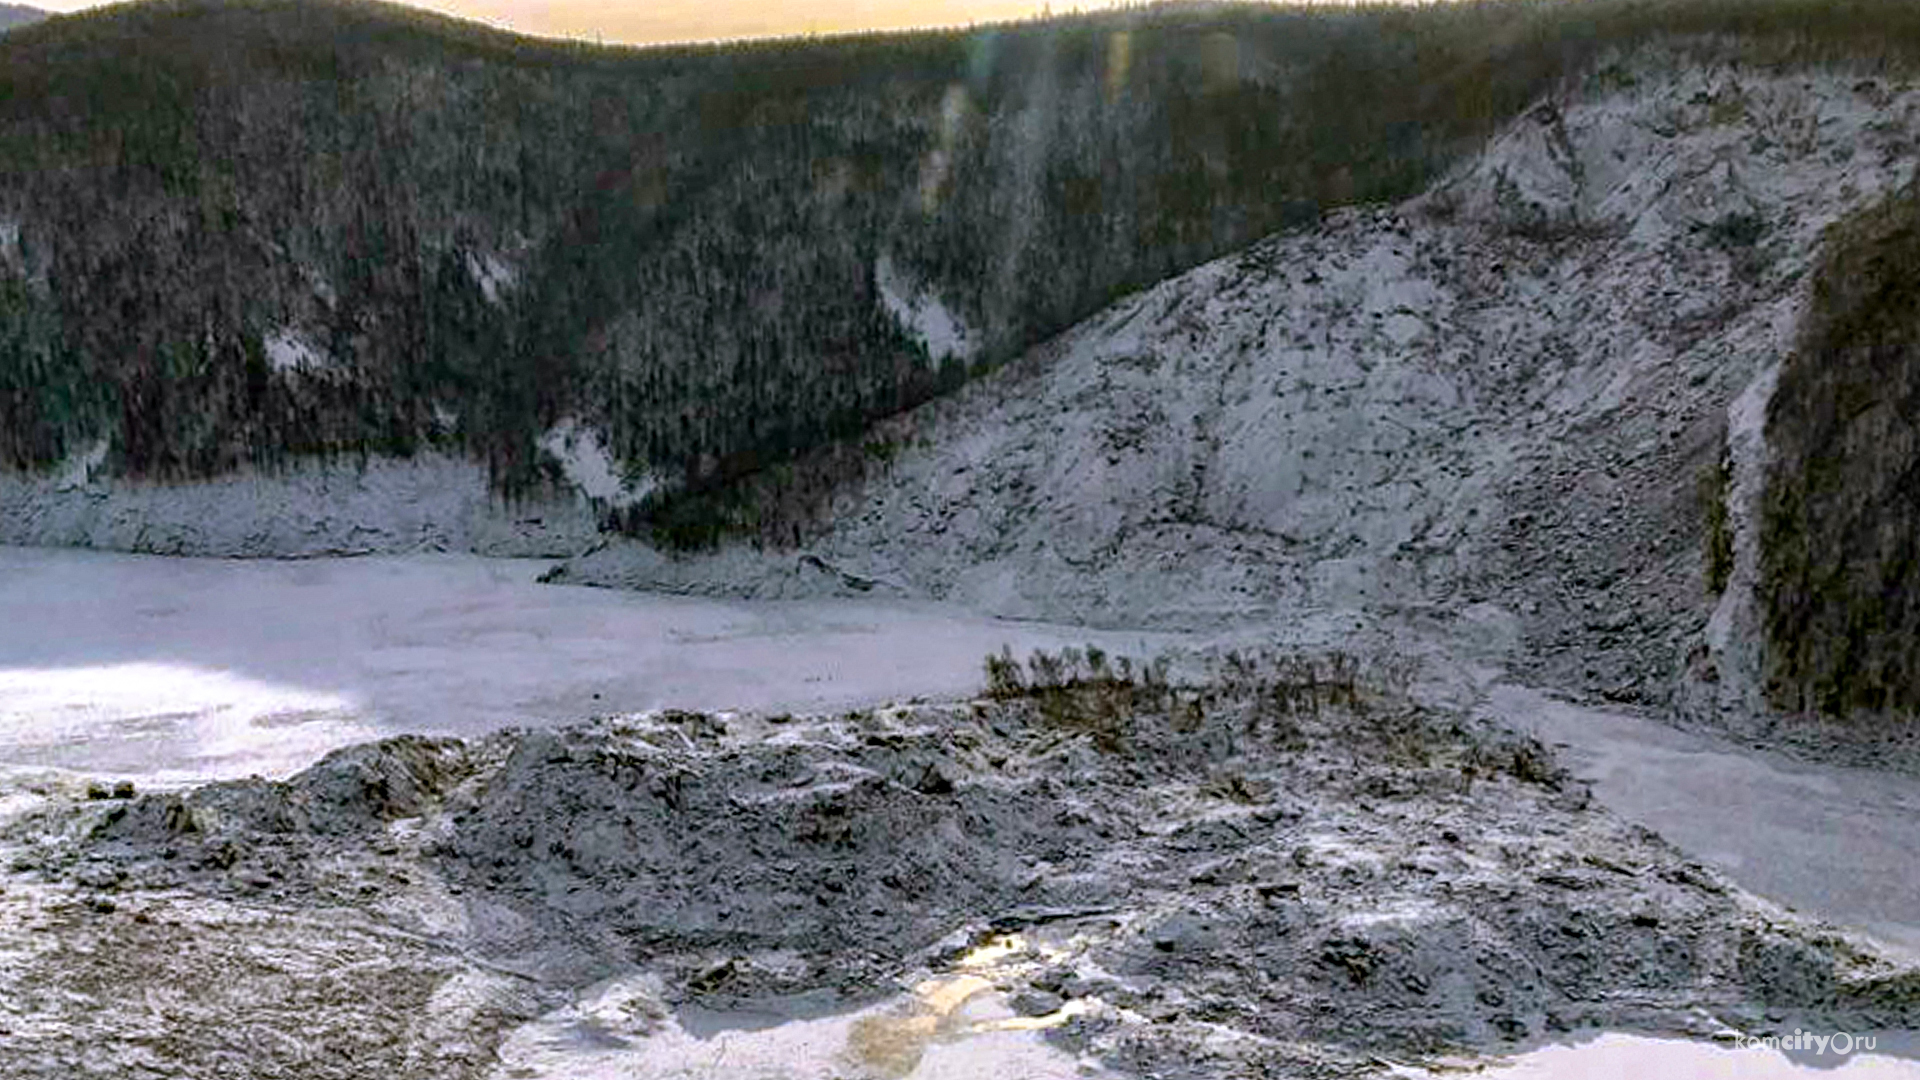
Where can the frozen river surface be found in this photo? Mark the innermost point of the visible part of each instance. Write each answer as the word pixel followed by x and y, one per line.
pixel 188 668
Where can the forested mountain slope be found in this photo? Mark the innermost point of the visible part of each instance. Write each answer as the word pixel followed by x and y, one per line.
pixel 282 278
pixel 242 232
pixel 239 231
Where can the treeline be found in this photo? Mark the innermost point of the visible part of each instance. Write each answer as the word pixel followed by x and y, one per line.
pixel 1840 529
pixel 232 232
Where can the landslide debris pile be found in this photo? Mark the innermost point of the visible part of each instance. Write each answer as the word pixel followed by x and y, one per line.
pixel 1274 864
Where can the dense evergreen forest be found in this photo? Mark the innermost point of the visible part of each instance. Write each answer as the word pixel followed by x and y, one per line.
pixel 1840 539
pixel 232 231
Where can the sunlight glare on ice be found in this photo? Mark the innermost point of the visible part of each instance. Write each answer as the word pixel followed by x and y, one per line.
pixel 222 721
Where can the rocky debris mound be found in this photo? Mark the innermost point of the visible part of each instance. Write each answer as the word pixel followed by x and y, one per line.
pixel 349 792
pixel 828 842
pixel 1285 851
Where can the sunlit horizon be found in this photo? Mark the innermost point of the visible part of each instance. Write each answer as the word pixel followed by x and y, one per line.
pixel 613 22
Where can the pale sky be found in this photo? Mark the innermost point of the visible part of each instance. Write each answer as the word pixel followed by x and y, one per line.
pixel 652 21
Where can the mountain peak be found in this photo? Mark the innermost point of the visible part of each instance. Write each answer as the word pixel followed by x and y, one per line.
pixel 12 15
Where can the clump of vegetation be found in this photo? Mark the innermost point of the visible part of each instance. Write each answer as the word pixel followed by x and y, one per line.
pixel 1840 529
pixel 1736 230
pixel 1087 688
pixel 1330 702
pixel 1082 689
pixel 1739 233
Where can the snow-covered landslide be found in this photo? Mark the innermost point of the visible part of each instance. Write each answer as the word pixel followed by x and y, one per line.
pixel 1517 396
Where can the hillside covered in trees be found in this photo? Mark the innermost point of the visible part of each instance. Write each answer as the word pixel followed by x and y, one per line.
pixel 236 231
pixel 1841 540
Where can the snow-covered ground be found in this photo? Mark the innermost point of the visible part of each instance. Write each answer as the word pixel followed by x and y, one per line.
pixel 1471 423
pixel 1828 839
pixel 1613 1055
pixel 992 888
pixel 922 314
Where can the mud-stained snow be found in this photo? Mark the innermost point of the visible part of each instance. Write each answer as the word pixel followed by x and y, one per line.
pixel 954 1028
